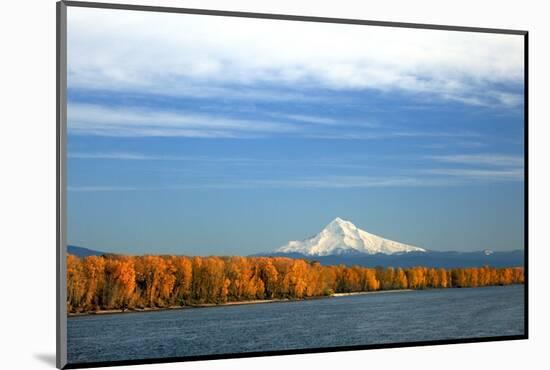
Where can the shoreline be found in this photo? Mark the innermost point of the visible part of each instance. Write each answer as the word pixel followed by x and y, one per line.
pixel 336 295
pixel 188 307
pixel 235 303
pixel 251 302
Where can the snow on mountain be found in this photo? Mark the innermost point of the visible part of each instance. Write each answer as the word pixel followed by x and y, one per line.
pixel 342 237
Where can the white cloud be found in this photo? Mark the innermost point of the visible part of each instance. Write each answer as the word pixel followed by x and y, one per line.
pixel 326 182
pixel 193 55
pixel 499 168
pixel 135 122
pixel 335 182
pixel 513 174
pixel 484 167
pixel 435 178
pixel 103 188
pixel 133 156
pixel 308 119
pixel 481 159
pixel 98 120
pixel 127 156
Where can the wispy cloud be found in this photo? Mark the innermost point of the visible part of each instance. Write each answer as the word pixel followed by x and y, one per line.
pixel 103 188
pixel 336 182
pixel 124 121
pixel 436 134
pixel 326 182
pixel 496 161
pixel 133 156
pixel 484 166
pixel 320 120
pixel 422 178
pixel 461 66
pixel 388 134
pixel 135 122
pixel 515 174
pixel 307 118
pixel 481 159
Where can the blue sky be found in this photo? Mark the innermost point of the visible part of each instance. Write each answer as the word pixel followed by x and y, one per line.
pixel 204 135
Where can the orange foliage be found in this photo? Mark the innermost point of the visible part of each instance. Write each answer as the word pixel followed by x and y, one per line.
pixel 123 282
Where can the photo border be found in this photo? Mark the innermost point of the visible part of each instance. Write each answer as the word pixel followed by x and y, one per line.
pixel 61 183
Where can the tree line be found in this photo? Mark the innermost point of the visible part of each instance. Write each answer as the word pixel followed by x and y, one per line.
pixel 127 282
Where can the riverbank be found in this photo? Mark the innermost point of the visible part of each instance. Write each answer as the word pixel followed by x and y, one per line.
pixel 186 307
pixel 372 292
pixel 235 303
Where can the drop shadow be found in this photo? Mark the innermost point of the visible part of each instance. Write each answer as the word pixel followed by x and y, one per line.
pixel 46 358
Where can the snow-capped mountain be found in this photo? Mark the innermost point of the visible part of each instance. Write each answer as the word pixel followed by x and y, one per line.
pixel 343 237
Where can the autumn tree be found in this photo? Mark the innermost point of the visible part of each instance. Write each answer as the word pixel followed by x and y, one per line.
pixel 125 282
pixel 400 280
pixel 183 279
pixel 94 271
pixel 76 284
pixel 296 278
pixel 270 276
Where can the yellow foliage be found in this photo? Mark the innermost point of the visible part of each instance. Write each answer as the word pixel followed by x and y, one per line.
pixel 122 282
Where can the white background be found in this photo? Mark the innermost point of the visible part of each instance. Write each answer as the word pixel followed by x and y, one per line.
pixel 27 196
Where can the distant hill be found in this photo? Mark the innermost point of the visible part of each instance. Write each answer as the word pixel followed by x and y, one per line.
pixel 428 259
pixel 83 252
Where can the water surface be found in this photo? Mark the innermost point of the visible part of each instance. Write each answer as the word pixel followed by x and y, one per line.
pixel 388 317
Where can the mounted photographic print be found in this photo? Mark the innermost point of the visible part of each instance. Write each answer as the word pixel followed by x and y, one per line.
pixel 239 184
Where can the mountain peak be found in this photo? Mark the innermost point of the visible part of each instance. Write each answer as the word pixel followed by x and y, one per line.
pixel 340 223
pixel 340 237
pixel 338 220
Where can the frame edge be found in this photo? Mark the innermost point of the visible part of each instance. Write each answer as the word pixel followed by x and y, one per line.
pixel 288 17
pixel 61 121
pixel 526 182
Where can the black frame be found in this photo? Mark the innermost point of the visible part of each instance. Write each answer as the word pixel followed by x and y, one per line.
pixel 61 112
